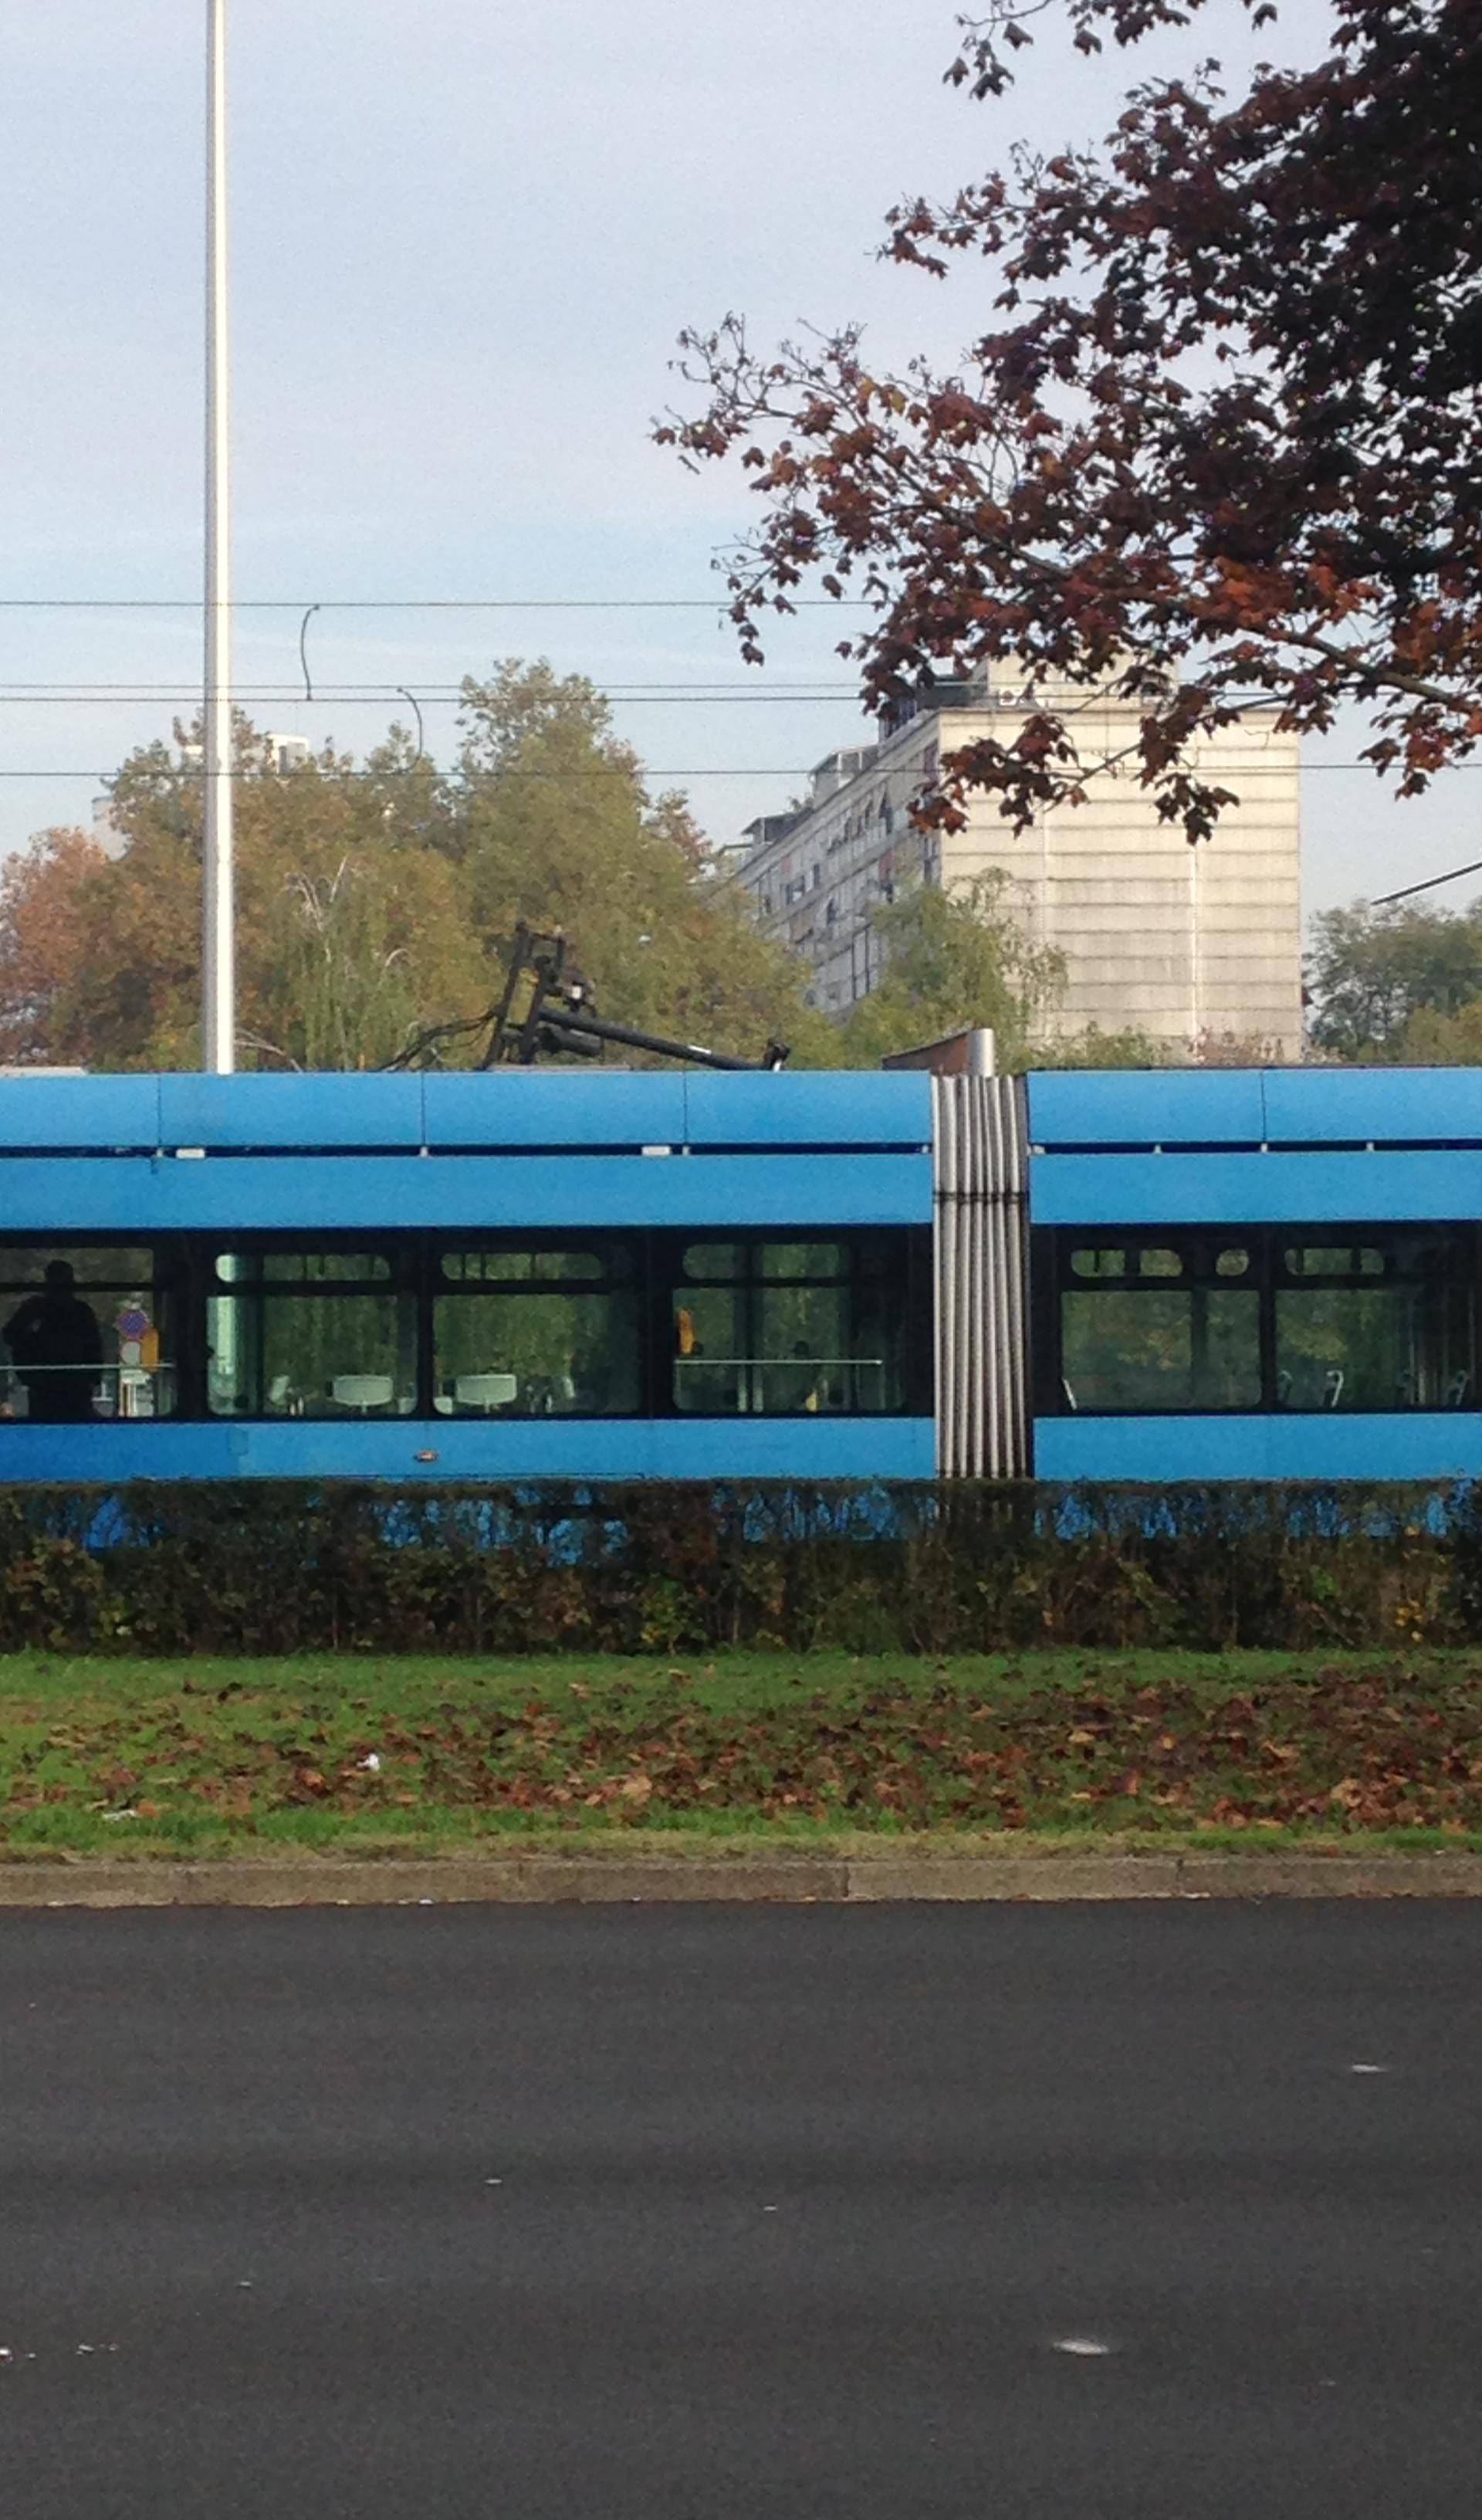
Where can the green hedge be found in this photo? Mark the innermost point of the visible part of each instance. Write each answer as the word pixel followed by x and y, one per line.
pixel 286 1567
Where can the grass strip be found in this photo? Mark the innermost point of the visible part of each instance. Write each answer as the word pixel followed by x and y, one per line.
pixel 370 1754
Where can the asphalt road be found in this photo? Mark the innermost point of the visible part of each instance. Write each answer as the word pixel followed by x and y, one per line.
pixel 689 2214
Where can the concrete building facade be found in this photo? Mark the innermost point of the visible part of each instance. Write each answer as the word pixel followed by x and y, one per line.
pixel 1191 945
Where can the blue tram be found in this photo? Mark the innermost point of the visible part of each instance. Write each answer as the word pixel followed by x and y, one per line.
pixel 547 1274
pixel 561 1273
pixel 1257 1274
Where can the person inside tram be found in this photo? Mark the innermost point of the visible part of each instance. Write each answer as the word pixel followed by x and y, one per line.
pixel 809 1393
pixel 56 1347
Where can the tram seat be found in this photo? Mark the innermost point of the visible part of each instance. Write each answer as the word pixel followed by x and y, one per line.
pixel 362 1392
pixel 487 1392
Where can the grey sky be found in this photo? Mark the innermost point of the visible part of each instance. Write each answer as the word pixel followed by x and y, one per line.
pixel 465 238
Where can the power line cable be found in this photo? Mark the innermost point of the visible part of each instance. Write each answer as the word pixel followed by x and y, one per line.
pixel 142 691
pixel 745 770
pixel 1382 899
pixel 421 604
pixel 377 695
pixel 617 770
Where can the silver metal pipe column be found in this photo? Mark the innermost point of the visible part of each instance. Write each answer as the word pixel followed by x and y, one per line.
pixel 982 1279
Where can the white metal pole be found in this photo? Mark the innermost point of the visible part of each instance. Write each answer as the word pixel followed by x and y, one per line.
pixel 218 978
pixel 1196 976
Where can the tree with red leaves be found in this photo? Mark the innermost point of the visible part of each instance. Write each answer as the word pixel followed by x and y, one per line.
pixel 1221 442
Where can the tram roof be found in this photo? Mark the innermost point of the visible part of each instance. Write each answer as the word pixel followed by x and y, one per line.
pixel 1287 1108
pixel 507 1109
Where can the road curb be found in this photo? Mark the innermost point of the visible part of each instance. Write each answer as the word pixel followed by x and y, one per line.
pixel 781 1879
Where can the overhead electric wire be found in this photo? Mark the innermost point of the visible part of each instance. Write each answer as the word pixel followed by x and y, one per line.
pixel 424 604
pixel 747 770
pixel 376 695
pixel 614 770
pixel 1381 900
pixel 810 693
pixel 290 691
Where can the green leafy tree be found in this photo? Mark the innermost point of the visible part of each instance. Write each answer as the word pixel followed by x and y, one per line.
pixel 376 900
pixel 1094 1048
pixel 1434 1040
pixel 552 822
pixel 959 958
pixel 1373 972
pixel 955 957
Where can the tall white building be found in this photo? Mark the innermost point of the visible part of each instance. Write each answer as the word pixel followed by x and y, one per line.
pixel 108 834
pixel 1188 944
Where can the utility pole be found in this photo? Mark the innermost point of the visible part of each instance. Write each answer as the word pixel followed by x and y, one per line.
pixel 218 974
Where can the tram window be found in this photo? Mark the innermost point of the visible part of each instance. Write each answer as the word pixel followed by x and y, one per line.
pixel 299 1333
pixel 324 1268
pixel 537 1334
pixel 1179 1348
pixel 1341 1317
pixel 788 1329
pixel 523 1267
pixel 1332 1260
pixel 1378 1323
pixel 1156 1325
pixel 87 1331
pixel 791 1260
pixel 92 1264
pixel 709 1260
pixel 1102 1261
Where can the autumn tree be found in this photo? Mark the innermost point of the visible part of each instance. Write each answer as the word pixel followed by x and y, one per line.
pixel 346 937
pixel 377 899
pixel 43 946
pixel 1216 434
